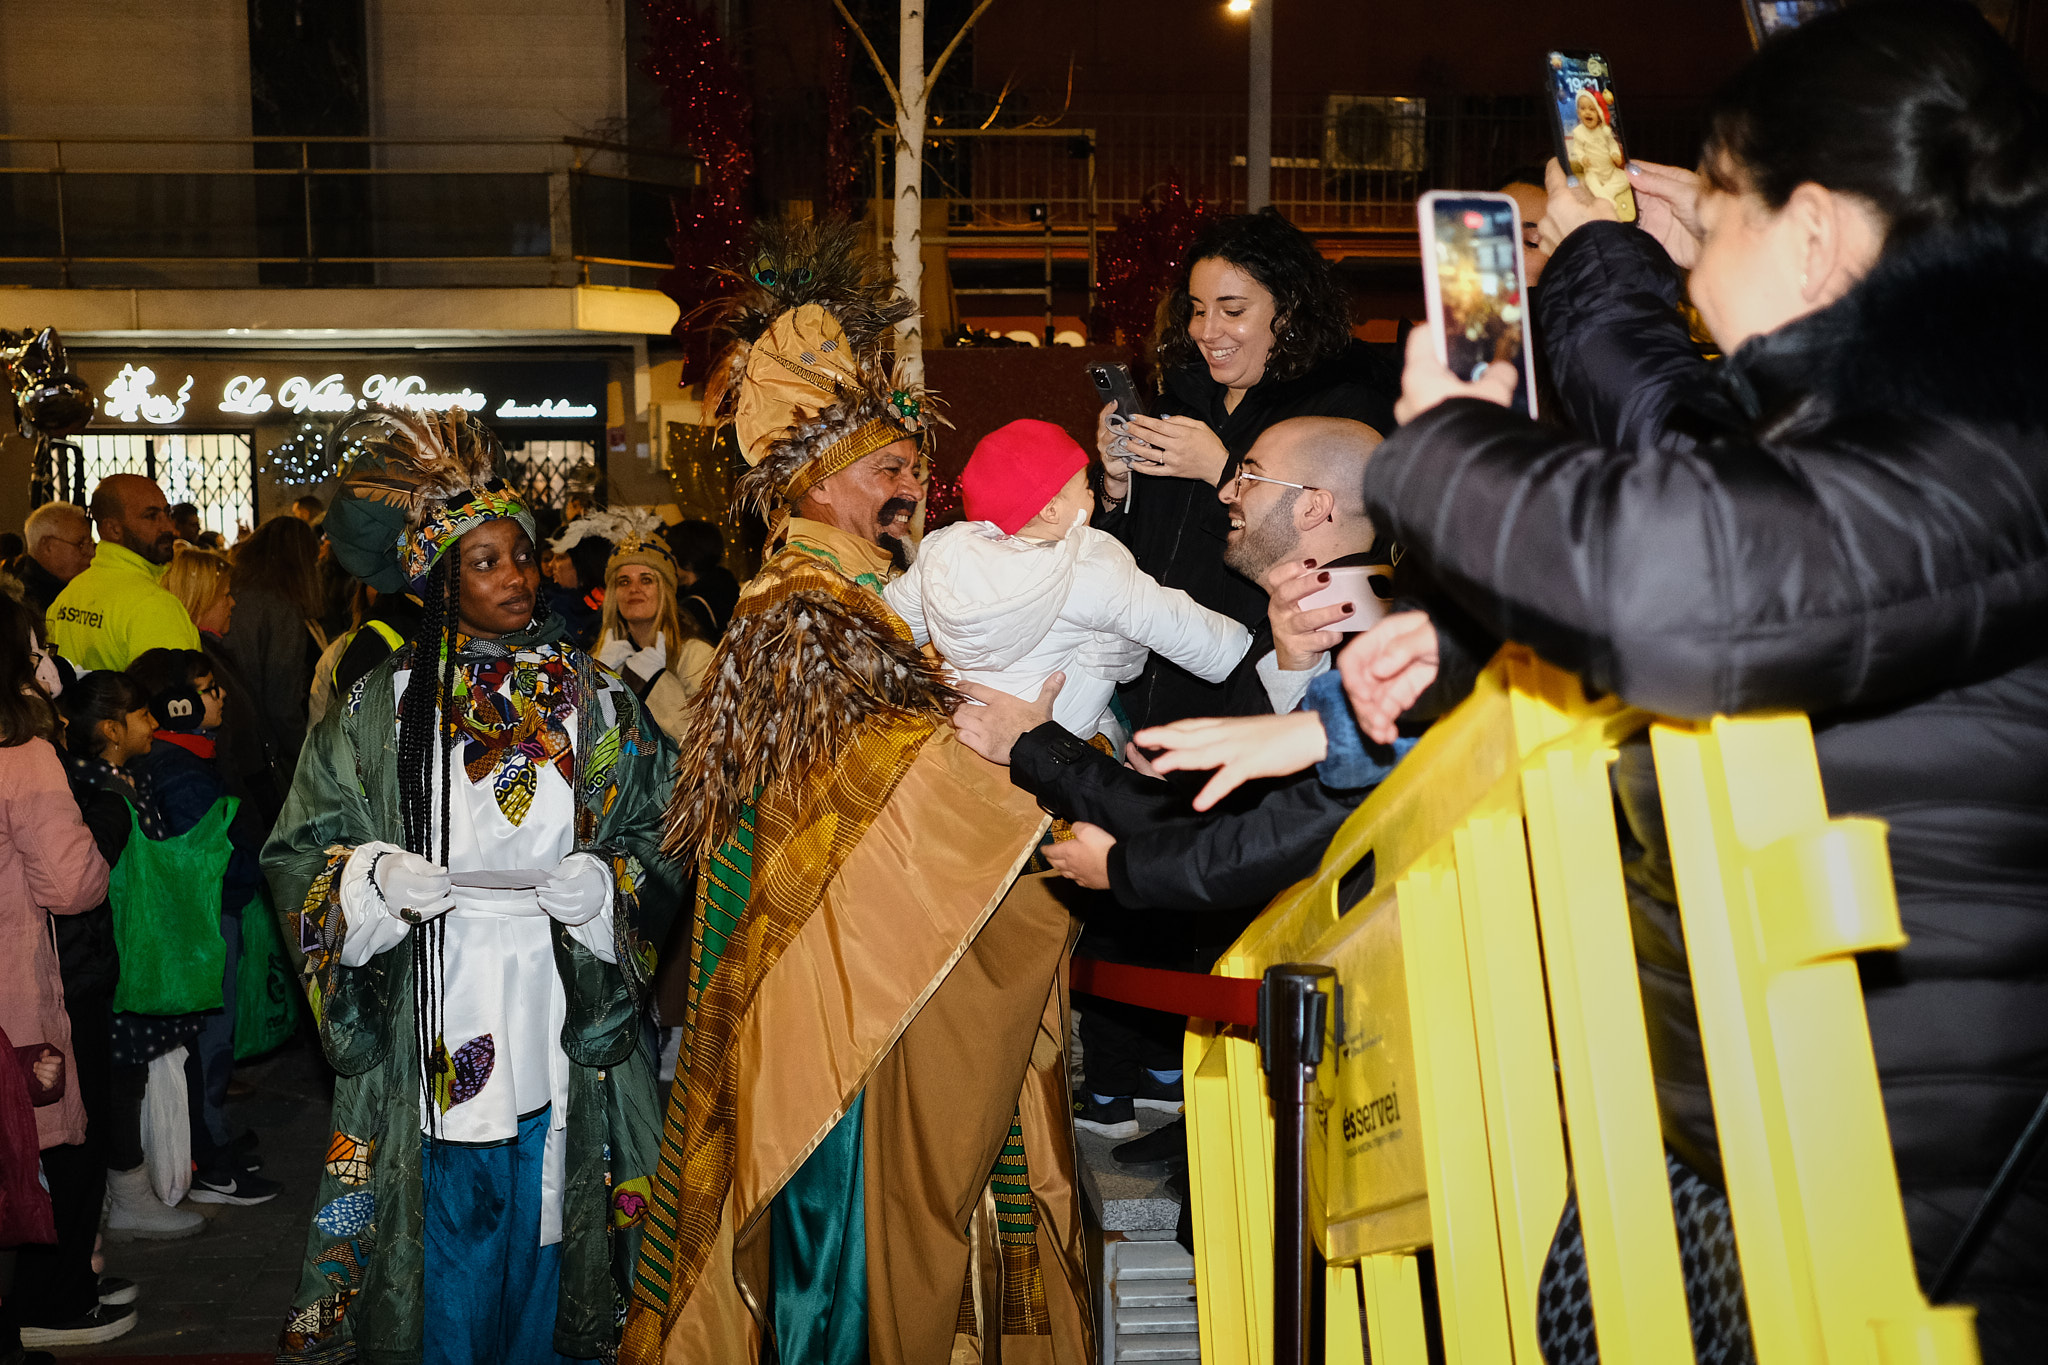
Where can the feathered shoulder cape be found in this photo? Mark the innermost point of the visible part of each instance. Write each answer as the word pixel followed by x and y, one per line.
pixel 811 656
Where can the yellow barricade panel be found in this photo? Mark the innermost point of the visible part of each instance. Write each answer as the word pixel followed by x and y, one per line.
pixel 1443 1115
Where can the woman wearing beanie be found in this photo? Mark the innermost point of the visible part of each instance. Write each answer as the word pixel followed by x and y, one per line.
pixel 644 636
pixel 1017 591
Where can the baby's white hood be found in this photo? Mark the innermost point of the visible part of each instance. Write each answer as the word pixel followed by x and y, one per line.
pixel 988 597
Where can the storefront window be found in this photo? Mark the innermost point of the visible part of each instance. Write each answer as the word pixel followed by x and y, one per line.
pixel 214 471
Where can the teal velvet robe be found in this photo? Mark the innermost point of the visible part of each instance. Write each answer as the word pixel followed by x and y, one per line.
pixel 362 1294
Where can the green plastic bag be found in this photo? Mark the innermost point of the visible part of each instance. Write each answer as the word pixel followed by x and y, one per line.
pixel 166 899
pixel 266 995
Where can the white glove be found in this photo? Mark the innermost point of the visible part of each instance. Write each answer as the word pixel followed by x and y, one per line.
pixel 578 890
pixel 1111 656
pixel 414 889
pixel 615 651
pixel 649 662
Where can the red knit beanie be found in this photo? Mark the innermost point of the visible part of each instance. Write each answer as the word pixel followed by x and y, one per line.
pixel 1016 470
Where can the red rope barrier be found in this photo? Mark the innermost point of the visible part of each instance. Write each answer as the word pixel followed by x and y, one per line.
pixel 1225 999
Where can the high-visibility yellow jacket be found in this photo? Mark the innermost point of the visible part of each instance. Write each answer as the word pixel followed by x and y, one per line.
pixel 118 609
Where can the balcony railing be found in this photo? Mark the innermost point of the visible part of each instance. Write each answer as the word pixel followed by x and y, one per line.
pixel 226 212
pixel 1341 163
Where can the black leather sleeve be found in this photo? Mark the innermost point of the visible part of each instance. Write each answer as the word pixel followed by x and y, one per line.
pixel 1858 563
pixel 1618 349
pixel 1230 859
pixel 1076 781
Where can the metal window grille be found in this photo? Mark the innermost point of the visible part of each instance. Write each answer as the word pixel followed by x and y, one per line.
pixel 214 471
pixel 543 471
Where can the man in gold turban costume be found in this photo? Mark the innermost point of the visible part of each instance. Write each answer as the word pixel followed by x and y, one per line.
pixel 867 1153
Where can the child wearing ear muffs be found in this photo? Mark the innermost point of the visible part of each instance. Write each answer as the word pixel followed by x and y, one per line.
pixel 185 701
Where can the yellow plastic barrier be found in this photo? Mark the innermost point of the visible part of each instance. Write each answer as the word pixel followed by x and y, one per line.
pixel 1487 1048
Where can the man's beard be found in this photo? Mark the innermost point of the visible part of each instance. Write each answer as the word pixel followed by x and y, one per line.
pixel 1264 543
pixel 900 553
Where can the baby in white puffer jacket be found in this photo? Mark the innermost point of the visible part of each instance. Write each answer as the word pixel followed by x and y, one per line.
pixel 1022 588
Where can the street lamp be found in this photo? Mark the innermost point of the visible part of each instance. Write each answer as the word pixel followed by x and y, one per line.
pixel 1258 149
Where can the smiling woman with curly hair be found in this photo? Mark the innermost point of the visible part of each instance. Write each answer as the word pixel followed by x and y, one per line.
pixel 1255 330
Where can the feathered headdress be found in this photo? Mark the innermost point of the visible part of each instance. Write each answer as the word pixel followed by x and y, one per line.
pixel 418 483
pixel 807 382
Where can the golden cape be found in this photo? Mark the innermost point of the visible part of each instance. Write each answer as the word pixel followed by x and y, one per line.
pixel 887 948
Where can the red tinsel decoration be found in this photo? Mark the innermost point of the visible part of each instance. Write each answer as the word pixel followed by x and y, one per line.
pixel 1139 261
pixel 842 149
pixel 711 113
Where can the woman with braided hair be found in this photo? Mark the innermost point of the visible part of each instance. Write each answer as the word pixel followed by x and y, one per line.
pixel 469 861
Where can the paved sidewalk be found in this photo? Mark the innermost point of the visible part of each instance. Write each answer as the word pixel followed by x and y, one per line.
pixel 227 1291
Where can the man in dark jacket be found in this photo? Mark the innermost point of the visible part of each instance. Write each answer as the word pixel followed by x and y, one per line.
pixel 1849 517
pixel 1180 534
pixel 59 538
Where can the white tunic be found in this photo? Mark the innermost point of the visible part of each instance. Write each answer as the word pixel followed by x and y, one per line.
pixel 499 978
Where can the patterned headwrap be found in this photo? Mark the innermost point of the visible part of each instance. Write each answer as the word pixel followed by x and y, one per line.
pixel 806 382
pixel 418 483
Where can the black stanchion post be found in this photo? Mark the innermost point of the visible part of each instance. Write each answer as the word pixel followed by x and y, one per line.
pixel 1293 1000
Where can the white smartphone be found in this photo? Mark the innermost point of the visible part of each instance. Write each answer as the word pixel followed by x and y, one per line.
pixel 1473 283
pixel 1352 585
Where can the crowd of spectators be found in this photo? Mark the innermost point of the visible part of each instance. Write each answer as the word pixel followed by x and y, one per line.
pixel 1832 499
pixel 159 687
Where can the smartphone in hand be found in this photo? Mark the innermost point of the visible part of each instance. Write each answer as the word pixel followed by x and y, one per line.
pixel 1472 279
pixel 1580 86
pixel 1113 385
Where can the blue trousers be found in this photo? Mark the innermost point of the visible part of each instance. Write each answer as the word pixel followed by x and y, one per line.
pixel 491 1289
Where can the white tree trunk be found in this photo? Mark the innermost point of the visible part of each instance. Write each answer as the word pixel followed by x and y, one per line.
pixel 907 255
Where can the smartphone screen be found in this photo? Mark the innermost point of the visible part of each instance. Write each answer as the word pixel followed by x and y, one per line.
pixel 1767 17
pixel 1472 247
pixel 1589 133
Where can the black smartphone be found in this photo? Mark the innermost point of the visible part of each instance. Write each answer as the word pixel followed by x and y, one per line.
pixel 1473 285
pixel 1588 130
pixel 1767 17
pixel 1113 385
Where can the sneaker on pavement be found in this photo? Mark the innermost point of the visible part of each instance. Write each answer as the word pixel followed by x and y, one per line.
pixel 115 1291
pixel 1158 1152
pixel 232 1187
pixel 1164 1096
pixel 1117 1119
pixel 101 1324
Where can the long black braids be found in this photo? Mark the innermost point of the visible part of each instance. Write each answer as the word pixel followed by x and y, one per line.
pixel 422 749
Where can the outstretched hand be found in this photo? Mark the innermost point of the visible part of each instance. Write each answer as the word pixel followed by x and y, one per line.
pixel 1386 669
pixel 1240 748
pixel 991 728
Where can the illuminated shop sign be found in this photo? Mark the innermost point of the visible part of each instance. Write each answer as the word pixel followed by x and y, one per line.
pixel 175 392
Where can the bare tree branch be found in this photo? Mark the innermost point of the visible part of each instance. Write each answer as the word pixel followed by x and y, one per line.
pixel 931 77
pixel 875 57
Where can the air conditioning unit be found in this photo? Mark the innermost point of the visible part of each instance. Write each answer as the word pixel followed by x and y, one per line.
pixel 1375 133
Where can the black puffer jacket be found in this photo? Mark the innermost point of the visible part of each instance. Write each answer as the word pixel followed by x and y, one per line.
pixel 1848 517
pixel 1175 528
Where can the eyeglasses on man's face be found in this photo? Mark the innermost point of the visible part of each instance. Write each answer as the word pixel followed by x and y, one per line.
pixel 1237 485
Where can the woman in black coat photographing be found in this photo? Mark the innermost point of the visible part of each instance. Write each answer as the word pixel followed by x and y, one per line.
pixel 1255 330
pixel 1847 516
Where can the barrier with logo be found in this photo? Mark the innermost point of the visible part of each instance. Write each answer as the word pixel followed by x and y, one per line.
pixel 1485 1051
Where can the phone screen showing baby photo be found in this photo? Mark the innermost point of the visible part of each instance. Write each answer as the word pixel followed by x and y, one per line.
pixel 1473 285
pixel 1588 130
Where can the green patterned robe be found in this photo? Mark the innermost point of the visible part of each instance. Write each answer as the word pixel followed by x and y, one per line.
pixel 361 1295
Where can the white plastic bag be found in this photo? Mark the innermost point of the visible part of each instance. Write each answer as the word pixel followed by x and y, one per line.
pixel 167 1128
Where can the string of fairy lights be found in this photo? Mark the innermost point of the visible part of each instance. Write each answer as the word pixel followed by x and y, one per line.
pixel 309 455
